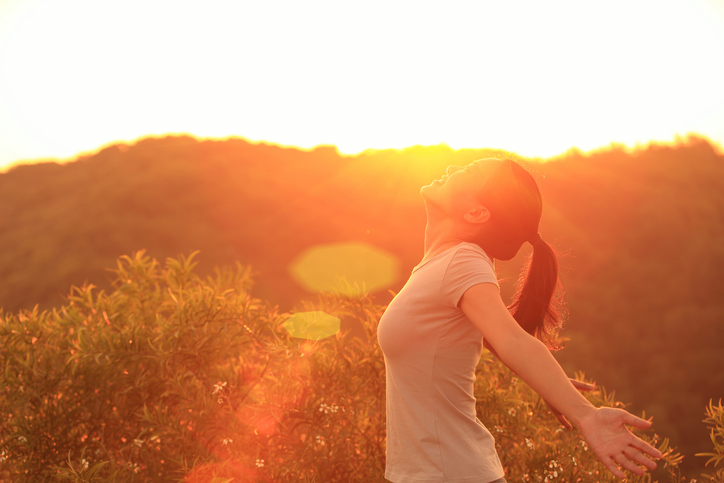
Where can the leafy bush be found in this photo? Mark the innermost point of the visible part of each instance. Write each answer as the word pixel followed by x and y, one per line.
pixel 715 418
pixel 169 377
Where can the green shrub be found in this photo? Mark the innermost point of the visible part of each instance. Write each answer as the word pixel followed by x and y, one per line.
pixel 169 377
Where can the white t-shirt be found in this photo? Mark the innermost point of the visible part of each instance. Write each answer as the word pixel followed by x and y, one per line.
pixel 431 350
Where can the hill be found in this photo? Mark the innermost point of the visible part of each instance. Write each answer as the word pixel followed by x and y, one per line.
pixel 642 233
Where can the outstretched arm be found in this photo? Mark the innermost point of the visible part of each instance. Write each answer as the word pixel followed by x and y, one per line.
pixel 604 429
pixel 580 385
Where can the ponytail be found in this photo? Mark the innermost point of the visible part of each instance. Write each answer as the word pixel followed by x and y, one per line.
pixel 538 305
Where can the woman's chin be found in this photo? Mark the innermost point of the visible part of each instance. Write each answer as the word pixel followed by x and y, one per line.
pixel 427 187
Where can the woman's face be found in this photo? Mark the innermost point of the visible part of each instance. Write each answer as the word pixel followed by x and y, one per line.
pixel 456 192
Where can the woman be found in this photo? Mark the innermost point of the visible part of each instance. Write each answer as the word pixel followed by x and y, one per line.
pixel 433 332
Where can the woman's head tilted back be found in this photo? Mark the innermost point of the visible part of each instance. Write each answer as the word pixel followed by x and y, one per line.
pixel 497 205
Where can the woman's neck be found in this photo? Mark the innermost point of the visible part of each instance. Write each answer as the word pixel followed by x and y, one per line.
pixel 439 236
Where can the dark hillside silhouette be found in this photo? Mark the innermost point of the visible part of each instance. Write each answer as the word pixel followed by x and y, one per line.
pixel 643 234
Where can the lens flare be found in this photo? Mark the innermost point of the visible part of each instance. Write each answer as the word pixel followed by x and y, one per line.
pixel 345 268
pixel 312 325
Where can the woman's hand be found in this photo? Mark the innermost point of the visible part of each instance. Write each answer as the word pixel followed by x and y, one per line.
pixel 606 434
pixel 581 386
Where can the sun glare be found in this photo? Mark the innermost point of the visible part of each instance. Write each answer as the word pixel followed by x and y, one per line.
pixel 536 78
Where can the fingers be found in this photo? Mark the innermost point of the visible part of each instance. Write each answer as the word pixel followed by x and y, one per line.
pixel 629 459
pixel 636 422
pixel 628 465
pixel 562 419
pixel 646 448
pixel 615 445
pixel 613 467
pixel 636 442
pixel 633 454
pixel 559 416
pixel 582 386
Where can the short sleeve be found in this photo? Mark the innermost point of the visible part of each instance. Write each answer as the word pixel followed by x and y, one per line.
pixel 468 266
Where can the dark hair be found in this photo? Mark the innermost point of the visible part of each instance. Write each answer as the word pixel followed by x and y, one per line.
pixel 515 204
pixel 538 302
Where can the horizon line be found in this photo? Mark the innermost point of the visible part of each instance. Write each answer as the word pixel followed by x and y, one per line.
pixel 677 141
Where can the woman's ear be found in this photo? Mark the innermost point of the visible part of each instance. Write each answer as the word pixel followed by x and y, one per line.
pixel 479 214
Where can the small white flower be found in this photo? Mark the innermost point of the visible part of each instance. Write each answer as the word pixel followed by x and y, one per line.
pixel 326 408
pixel 22 439
pixel 575 463
pixel 138 442
pixel 529 443
pixel 260 463
pixel 219 386
pixel 320 440
pixel 585 446
pixel 84 462
pixel 3 456
pixel 555 474
pixel 227 440
pixel 511 411
pixel 220 400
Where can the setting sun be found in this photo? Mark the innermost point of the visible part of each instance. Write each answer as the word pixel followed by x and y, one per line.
pixel 531 77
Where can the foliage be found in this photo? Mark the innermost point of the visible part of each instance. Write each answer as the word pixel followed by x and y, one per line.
pixel 715 418
pixel 170 377
pixel 534 447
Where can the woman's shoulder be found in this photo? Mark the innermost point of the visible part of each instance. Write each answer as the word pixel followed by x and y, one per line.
pixel 470 248
pixel 457 253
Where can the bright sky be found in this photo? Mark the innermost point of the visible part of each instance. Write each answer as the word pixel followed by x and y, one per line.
pixel 534 77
